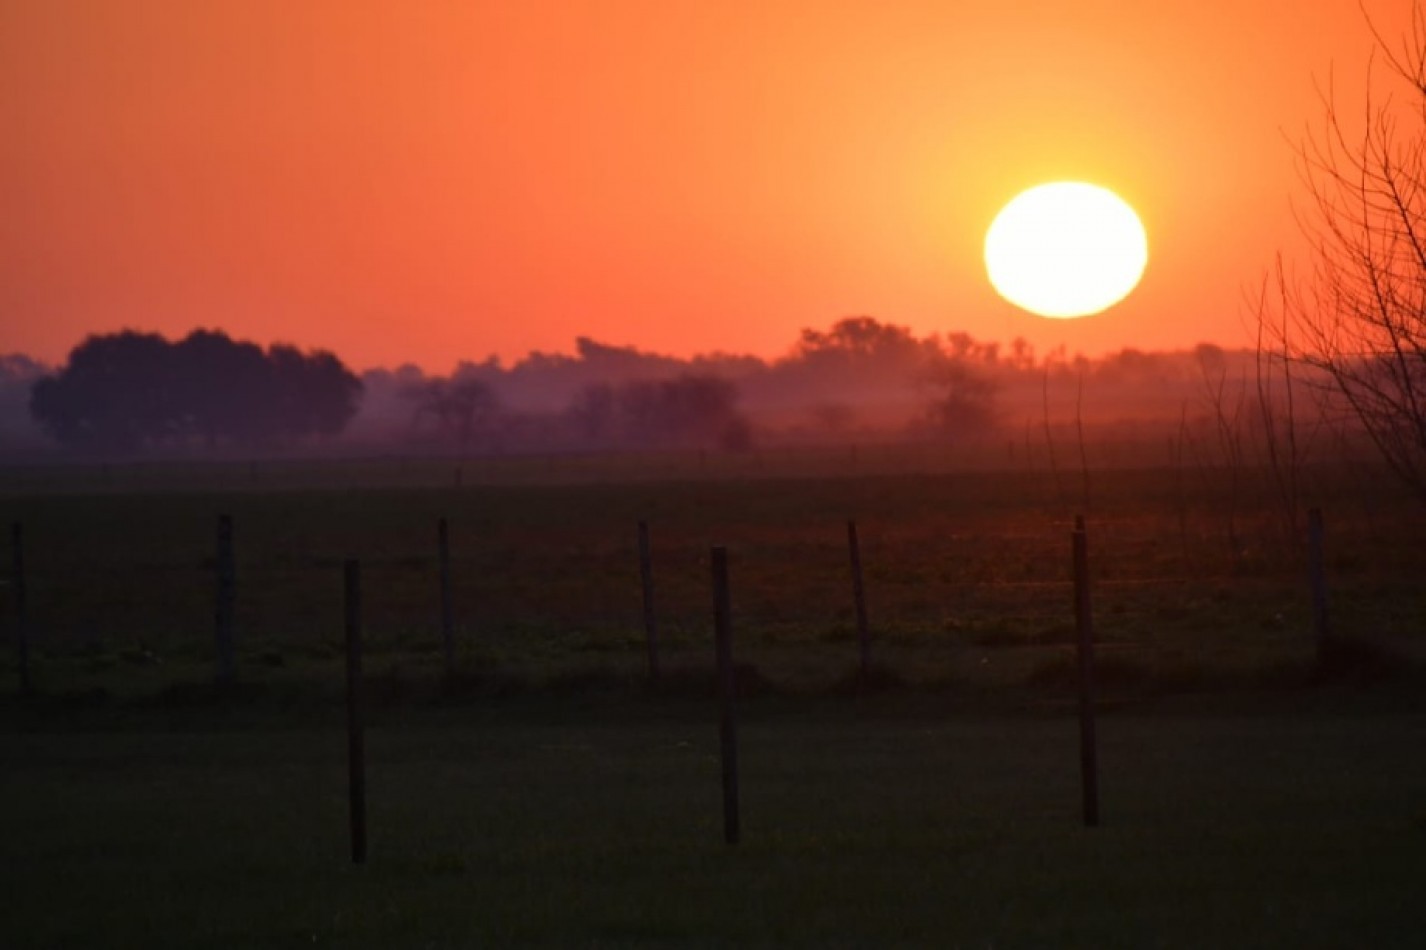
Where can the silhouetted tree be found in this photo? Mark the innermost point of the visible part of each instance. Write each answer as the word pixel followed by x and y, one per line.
pixel 963 404
pixel 115 394
pixel 127 391
pixel 691 409
pixel 687 408
pixel 314 393
pixel 208 368
pixel 1360 315
pixel 863 340
pixel 460 409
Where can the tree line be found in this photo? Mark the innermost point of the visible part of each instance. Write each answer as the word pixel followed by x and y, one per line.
pixel 604 396
pixel 132 391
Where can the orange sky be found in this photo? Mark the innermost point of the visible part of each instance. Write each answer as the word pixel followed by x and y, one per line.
pixel 431 181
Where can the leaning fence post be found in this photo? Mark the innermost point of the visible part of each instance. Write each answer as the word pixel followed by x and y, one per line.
pixel 223 606
pixel 859 598
pixel 1317 579
pixel 356 744
pixel 1084 626
pixel 22 632
pixel 646 580
pixel 443 546
pixel 728 726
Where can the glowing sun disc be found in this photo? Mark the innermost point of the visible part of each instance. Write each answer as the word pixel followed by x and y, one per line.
pixel 1066 249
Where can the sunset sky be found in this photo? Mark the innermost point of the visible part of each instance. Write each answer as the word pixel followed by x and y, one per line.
pixel 432 181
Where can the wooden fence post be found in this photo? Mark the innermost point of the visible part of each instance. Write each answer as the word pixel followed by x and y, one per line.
pixel 448 643
pixel 1317 579
pixel 859 598
pixel 356 739
pixel 646 579
pixel 22 631
pixel 1084 627
pixel 728 725
pixel 225 596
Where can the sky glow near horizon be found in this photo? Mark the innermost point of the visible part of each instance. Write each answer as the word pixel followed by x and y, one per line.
pixel 431 182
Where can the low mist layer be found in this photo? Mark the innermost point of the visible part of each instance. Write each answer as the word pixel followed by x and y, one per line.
pixel 859 381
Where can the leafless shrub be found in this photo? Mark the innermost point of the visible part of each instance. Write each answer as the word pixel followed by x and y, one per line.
pixel 1359 314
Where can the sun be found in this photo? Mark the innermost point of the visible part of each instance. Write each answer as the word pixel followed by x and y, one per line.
pixel 1066 249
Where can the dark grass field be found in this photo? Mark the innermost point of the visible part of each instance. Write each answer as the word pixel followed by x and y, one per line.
pixel 1293 822
pixel 967 576
pixel 1253 795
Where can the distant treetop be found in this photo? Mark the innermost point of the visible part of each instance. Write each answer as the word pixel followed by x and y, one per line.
pixel 129 391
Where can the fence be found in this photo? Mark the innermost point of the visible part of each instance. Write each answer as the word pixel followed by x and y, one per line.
pixel 230 577
pixel 481 597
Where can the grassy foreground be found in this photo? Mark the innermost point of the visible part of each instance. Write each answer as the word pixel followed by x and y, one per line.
pixel 595 821
pixel 1248 799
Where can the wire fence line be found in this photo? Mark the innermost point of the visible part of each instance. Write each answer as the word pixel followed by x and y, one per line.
pixel 560 601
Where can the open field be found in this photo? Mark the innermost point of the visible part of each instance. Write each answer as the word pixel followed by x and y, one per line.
pixel 571 822
pixel 546 796
pixel 966 575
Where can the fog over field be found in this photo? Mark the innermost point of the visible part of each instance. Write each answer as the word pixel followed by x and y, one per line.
pixel 860 381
